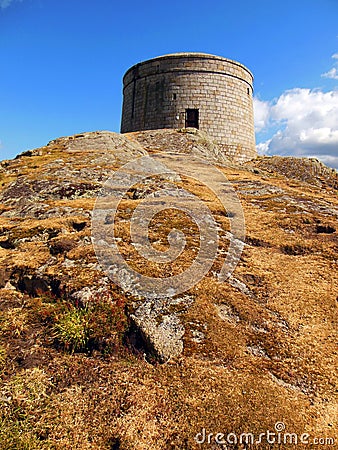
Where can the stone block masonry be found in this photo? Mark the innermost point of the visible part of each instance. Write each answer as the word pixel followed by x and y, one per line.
pixel 198 90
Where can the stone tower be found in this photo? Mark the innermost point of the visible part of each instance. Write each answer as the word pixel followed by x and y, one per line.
pixel 197 90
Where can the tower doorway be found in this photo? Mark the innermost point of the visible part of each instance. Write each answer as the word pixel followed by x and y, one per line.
pixel 191 118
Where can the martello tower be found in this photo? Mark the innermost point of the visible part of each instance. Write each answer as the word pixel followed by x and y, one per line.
pixel 207 92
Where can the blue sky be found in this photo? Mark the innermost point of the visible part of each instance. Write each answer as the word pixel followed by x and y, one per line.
pixel 62 63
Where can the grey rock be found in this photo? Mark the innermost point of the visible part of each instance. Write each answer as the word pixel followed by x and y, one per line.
pixel 161 329
pixel 113 146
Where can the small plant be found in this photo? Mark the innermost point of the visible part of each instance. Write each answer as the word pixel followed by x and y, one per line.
pixel 100 325
pixel 71 329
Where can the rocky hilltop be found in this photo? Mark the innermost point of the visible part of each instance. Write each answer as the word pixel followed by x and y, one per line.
pixel 85 364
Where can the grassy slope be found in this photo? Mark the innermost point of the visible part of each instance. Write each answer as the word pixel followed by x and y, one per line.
pixel 271 357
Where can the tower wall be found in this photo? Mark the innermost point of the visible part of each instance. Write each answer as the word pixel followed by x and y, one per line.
pixel 158 92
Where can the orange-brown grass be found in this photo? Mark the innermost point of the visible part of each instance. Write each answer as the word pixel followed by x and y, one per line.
pixel 265 355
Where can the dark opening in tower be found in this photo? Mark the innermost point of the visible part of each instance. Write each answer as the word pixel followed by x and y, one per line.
pixel 191 118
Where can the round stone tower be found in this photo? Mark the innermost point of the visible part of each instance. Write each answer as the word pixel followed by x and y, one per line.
pixel 182 90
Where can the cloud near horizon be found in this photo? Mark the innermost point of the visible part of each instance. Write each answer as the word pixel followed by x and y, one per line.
pixel 332 73
pixel 303 122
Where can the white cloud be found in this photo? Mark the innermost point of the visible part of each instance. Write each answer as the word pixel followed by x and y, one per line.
pixel 332 73
pixel 261 114
pixel 307 122
pixel 322 136
pixel 263 147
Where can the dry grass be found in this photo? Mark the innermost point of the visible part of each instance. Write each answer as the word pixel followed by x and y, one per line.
pixel 265 357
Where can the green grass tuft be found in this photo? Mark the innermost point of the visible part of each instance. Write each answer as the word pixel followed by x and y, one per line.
pixel 72 330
